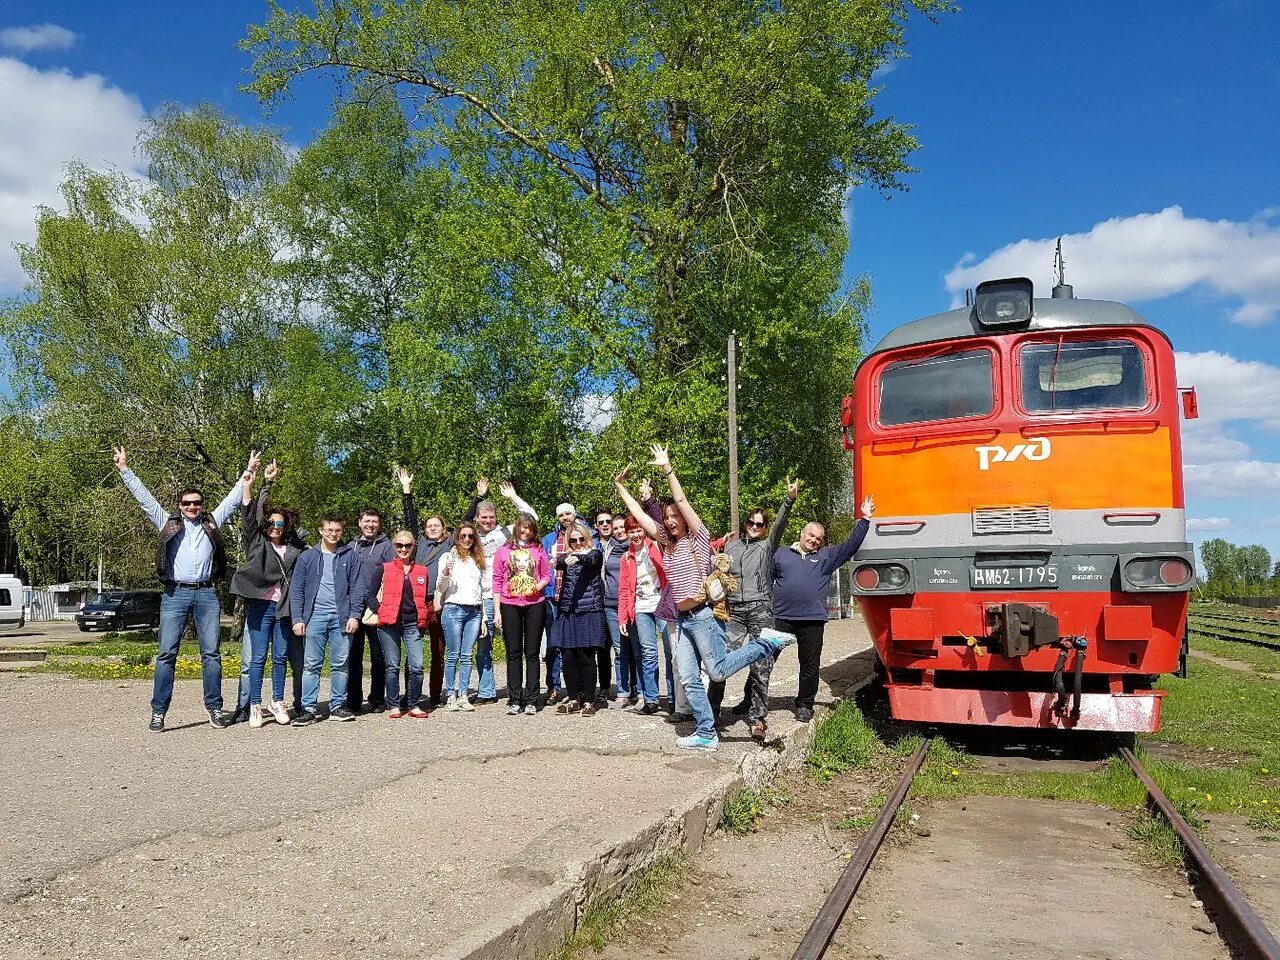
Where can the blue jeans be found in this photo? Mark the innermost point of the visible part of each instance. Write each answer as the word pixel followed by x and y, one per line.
pixel 391 639
pixel 293 652
pixel 461 624
pixel 553 653
pixel 621 653
pixel 702 644
pixel 266 630
pixel 177 606
pixel 484 655
pixel 325 630
pixel 646 627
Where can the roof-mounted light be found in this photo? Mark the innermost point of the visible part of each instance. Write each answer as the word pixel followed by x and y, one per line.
pixel 1003 303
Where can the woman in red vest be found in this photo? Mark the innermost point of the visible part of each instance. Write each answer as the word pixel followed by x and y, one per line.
pixel 399 590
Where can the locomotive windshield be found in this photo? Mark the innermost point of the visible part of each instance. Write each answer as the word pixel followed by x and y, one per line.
pixel 1082 375
pixel 949 387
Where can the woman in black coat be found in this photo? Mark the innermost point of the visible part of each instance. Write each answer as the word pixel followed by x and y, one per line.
pixel 579 628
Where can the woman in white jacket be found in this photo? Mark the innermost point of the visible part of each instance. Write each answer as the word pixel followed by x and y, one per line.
pixel 460 600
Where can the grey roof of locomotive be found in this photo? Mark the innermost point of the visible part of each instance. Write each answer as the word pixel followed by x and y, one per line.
pixel 1047 314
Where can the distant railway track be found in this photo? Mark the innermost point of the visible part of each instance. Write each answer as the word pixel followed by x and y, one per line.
pixel 1238 923
pixel 1257 631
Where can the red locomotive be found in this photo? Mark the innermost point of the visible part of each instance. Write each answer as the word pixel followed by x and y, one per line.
pixel 1027 564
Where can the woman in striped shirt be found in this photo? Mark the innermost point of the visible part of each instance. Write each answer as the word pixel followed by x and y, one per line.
pixel 686 557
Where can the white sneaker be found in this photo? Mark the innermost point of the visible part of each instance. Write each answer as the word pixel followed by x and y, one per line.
pixel 453 705
pixel 255 715
pixel 281 713
pixel 513 709
pixel 621 703
pixel 530 709
pixel 465 705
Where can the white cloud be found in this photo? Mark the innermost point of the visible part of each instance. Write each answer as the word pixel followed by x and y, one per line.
pixel 44 36
pixel 1149 256
pixel 1229 391
pixel 595 411
pixel 882 71
pixel 1203 524
pixel 1240 480
pixel 48 118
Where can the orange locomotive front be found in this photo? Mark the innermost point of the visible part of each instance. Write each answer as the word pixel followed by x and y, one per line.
pixel 1028 563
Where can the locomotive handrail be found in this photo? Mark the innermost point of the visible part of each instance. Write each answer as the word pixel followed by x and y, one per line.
pixel 1099 425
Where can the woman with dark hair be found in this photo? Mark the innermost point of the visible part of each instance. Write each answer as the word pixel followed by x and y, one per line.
pixel 686 549
pixel 521 571
pixel 579 628
pixel 460 602
pixel 270 550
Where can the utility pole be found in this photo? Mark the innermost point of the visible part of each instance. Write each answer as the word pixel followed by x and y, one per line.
pixel 733 431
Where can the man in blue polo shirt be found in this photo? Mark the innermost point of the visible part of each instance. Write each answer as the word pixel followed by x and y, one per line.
pixel 190 559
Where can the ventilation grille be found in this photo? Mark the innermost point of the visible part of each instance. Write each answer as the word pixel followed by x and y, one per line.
pixel 1012 520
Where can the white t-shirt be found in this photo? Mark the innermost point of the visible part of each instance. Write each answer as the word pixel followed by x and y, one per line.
pixel 465 582
pixel 648 592
pixel 491 541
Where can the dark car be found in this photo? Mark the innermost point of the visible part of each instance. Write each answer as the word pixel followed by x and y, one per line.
pixel 120 610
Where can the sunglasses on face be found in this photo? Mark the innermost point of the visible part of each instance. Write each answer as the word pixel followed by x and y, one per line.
pixel 577 540
pixel 404 546
pixel 466 536
pixel 278 524
pixel 191 503
pixel 604 523
pixel 755 523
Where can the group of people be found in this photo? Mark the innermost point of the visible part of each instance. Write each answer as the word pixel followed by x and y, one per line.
pixel 608 600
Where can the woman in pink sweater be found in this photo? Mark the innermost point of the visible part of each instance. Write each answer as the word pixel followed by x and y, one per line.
pixel 521 571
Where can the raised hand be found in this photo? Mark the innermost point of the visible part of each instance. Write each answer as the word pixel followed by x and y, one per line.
pixel 793 488
pixel 646 489
pixel 255 460
pixel 868 507
pixel 121 458
pixel 661 457
pixel 482 486
pixel 507 489
pixel 621 479
pixel 271 472
pixel 406 479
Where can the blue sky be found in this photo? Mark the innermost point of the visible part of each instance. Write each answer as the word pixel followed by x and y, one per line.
pixel 1149 136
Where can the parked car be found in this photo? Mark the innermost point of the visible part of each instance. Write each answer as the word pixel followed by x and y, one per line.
pixel 120 610
pixel 12 598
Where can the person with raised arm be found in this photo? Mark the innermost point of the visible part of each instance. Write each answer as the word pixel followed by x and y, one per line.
pixel 521 571
pixel 433 543
pixel 686 548
pixel 801 581
pixel 492 536
pixel 268 532
pixel 190 559
pixel 751 605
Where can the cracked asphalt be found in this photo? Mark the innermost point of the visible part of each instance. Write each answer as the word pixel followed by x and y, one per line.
pixel 395 836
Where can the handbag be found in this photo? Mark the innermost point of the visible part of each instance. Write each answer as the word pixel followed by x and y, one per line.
pixel 370 617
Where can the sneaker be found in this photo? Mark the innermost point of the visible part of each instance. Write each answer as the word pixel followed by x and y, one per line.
pixel 281 714
pixel 759 729
pixel 240 716
pixel 219 719
pixel 513 709
pixel 304 718
pixel 555 696
pixel 157 723
pixel 395 713
pixel 482 701
pixel 777 639
pixel 589 710
pixel 418 713
pixel 453 705
pixel 679 717
pixel 562 708
pixel 466 706
pixel 740 710
pixel 649 709
pixel 376 706
pixel 342 714
pixel 530 710
pixel 696 741
pixel 804 714
pixel 621 703
pixel 255 716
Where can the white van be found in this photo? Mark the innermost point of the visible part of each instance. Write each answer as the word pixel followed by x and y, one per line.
pixel 12 595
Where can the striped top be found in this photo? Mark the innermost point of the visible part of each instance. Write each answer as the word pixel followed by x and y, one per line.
pixel 686 562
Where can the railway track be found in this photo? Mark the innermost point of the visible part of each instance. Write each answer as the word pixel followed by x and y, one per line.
pixel 1238 923
pixel 1256 631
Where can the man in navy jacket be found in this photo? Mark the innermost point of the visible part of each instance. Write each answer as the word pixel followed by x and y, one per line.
pixel 801 580
pixel 323 597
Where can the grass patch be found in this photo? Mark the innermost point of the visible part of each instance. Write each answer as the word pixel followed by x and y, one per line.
pixel 606 922
pixel 863 820
pixel 742 811
pixel 843 741
pixel 1157 839
pixel 1259 658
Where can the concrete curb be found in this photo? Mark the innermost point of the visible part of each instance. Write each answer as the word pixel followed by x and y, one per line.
pixel 541 924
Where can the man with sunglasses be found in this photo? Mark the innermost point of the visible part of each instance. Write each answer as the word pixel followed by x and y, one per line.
pixel 190 559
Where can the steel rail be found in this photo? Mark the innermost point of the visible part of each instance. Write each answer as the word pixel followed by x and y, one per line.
pixel 1216 632
pixel 1240 924
pixel 824 926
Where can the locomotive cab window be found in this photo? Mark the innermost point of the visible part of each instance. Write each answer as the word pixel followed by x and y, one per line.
pixel 951 387
pixel 1082 375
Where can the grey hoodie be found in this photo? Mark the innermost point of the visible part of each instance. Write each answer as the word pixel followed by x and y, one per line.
pixel 753 560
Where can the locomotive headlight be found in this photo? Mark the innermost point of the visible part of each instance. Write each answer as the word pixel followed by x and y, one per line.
pixel 894 575
pixel 1003 303
pixel 1154 573
pixel 882 577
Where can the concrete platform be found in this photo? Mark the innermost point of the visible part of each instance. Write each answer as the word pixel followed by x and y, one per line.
pixel 466 835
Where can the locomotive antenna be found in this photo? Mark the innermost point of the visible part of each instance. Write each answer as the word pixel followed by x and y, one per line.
pixel 1061 289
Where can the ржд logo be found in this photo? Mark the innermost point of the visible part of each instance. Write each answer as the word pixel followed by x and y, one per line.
pixel 1037 449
